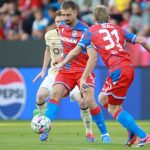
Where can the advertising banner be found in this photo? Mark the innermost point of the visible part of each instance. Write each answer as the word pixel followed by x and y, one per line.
pixel 18 95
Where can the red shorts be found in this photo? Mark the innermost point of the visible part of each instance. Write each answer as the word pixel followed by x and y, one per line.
pixel 71 79
pixel 117 84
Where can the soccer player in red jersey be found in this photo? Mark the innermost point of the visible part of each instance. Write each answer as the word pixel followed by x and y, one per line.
pixel 108 40
pixel 53 51
pixel 69 76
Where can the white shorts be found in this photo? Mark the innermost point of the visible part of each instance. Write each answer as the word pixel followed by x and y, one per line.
pixel 49 81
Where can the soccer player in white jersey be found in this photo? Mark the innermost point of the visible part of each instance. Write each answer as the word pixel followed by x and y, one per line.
pixel 53 52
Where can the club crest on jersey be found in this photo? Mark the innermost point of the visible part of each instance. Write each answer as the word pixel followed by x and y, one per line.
pixel 57 51
pixel 12 93
pixel 74 33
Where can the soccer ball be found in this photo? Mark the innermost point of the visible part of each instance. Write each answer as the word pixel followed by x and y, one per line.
pixel 40 124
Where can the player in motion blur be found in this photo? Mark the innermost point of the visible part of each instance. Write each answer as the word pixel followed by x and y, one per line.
pixel 108 40
pixel 53 51
pixel 69 76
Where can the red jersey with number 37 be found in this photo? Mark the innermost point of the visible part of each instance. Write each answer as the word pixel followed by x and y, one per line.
pixel 109 41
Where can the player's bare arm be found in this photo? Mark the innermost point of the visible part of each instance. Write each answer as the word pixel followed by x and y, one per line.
pixel 89 66
pixel 137 39
pixel 72 54
pixel 142 40
pixel 46 61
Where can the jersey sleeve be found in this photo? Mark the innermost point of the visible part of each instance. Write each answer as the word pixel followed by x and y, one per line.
pixel 85 41
pixel 130 37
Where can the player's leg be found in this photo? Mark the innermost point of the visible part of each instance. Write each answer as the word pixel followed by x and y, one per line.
pixel 75 94
pixel 132 138
pixel 115 88
pixel 103 99
pixel 61 88
pixel 43 93
pixel 58 92
pixel 97 114
pixel 126 120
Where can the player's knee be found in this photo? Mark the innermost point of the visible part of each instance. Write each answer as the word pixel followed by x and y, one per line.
pixel 81 101
pixel 40 98
pixel 76 96
pixel 103 99
pixel 91 103
pixel 112 109
pixel 82 104
pixel 56 95
pixel 42 94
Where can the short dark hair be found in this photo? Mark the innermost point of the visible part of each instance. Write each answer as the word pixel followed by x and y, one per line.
pixel 69 4
pixel 58 13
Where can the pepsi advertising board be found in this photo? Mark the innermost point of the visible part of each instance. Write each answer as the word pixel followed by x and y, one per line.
pixel 12 93
pixel 18 95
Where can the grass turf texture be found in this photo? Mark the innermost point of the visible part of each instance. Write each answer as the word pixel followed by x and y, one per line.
pixel 64 135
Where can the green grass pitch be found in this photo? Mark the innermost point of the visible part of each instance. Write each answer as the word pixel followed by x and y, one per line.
pixel 64 135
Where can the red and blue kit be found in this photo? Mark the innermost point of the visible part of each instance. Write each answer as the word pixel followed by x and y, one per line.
pixel 71 73
pixel 109 41
pixel 69 38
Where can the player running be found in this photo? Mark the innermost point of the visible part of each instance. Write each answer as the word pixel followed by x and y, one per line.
pixel 53 51
pixel 108 40
pixel 69 76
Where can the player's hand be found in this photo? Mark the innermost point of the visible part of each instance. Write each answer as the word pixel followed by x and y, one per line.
pixel 57 60
pixel 57 67
pixel 83 85
pixel 40 75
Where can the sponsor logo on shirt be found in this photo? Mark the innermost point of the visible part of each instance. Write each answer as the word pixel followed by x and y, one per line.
pixel 69 40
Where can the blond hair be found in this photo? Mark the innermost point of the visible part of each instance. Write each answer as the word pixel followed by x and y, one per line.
pixel 101 13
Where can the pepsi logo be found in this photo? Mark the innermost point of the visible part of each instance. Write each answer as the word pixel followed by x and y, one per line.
pixel 12 93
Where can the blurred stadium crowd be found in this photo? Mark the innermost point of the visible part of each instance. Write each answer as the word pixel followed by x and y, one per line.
pixel 30 19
